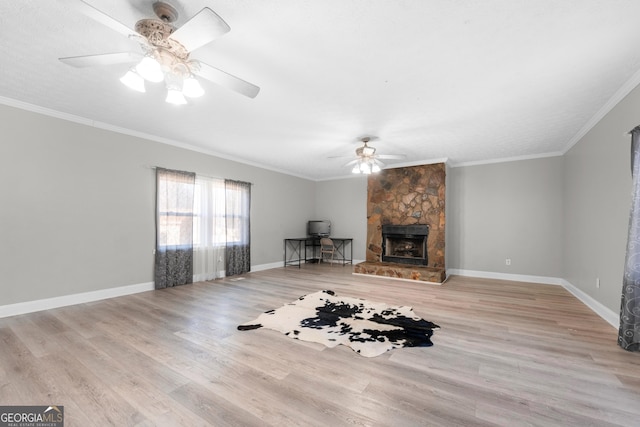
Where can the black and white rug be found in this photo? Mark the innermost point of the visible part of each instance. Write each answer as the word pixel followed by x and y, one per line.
pixel 369 328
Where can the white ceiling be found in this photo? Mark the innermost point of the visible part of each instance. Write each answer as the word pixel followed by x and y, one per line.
pixel 468 80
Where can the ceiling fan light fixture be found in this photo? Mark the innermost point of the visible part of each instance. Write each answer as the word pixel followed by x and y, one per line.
pixel 175 97
pixel 365 168
pixel 192 88
pixel 133 80
pixel 150 69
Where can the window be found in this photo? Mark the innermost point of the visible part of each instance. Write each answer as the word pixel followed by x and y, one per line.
pixel 204 224
pixel 174 228
pixel 220 213
pixel 237 212
pixel 209 213
pixel 175 210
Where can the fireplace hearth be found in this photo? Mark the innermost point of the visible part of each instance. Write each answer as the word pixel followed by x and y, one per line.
pixel 405 244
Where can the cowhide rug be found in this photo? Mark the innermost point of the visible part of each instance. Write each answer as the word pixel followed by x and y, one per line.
pixel 369 328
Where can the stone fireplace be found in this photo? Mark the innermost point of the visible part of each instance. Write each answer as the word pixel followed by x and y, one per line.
pixel 412 197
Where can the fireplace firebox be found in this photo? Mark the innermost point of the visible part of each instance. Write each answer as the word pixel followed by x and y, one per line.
pixel 405 244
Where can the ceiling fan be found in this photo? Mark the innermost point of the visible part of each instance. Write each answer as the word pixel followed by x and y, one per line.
pixel 367 161
pixel 165 52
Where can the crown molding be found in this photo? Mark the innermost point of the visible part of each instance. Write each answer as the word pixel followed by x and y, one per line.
pixel 105 126
pixel 507 159
pixel 624 90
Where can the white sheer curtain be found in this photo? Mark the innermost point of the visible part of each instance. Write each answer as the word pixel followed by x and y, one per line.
pixel 209 226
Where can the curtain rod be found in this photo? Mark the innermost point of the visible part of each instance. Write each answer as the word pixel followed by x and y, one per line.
pixel 206 176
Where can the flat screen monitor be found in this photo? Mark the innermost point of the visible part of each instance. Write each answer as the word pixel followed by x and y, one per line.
pixel 319 228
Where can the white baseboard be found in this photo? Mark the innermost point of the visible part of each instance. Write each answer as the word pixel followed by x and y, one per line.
pixel 65 300
pixel 607 314
pixel 62 301
pixel 281 264
pixel 505 276
pixel 262 267
pixel 49 303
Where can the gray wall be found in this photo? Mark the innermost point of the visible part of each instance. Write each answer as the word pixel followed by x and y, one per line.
pixel 563 217
pixel 344 203
pixel 597 200
pixel 506 210
pixel 77 206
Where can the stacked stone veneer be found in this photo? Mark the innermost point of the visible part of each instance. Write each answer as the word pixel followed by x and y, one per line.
pixel 408 195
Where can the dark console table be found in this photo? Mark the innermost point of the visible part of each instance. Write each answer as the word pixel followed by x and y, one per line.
pixel 304 249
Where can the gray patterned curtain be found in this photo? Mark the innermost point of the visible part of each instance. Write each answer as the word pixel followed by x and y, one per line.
pixel 238 207
pixel 629 333
pixel 174 228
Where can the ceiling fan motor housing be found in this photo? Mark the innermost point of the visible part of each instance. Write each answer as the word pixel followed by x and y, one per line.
pixel 157 33
pixel 365 151
pixel 165 11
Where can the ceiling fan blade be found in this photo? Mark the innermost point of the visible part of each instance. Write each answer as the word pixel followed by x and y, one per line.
pixel 391 156
pixel 104 19
pixel 101 59
pixel 202 28
pixel 227 80
pixel 352 162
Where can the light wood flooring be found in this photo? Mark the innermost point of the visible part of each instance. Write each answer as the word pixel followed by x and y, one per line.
pixel 507 354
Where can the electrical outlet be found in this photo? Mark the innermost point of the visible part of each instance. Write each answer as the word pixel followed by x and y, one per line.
pixel 507 261
pixel 598 282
